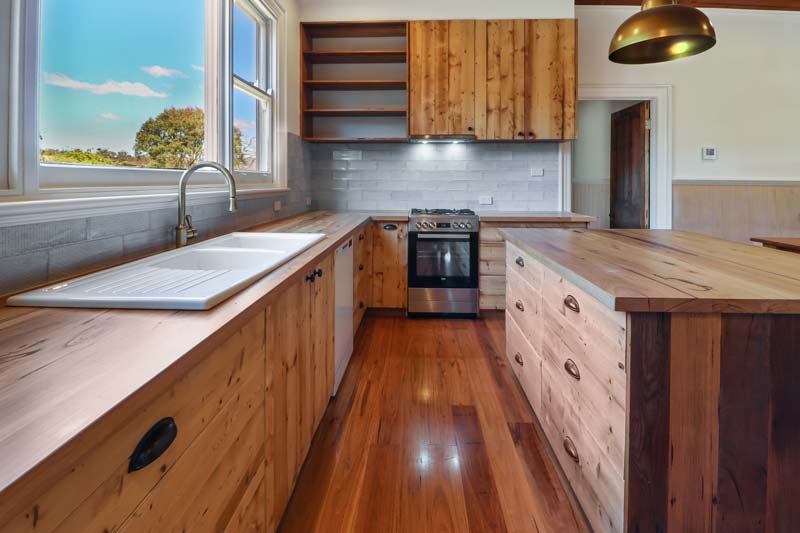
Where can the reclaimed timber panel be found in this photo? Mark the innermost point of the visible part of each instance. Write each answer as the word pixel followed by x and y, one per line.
pixel 390 265
pixel 551 79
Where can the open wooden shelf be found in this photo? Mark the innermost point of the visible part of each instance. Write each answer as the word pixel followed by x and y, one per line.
pixel 366 112
pixel 356 85
pixel 316 30
pixel 355 56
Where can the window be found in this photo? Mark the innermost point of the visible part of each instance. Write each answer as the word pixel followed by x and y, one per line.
pixel 123 98
pixel 252 84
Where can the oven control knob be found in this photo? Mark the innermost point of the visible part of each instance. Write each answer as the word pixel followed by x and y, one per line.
pixel 419 225
pixel 461 225
pixel 425 225
pixel 469 225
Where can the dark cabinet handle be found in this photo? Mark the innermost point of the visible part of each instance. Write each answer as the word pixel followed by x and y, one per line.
pixel 360 236
pixel 361 305
pixel 520 261
pixel 530 134
pixel 572 303
pixel 390 227
pixel 521 133
pixel 571 450
pixel 318 272
pixel 518 359
pixel 520 306
pixel 360 266
pixel 154 443
pixel 311 277
pixel 572 369
pixel 469 128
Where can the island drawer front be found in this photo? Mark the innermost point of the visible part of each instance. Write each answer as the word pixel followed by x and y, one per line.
pixel 599 487
pixel 524 303
pixel 521 263
pixel 526 363
pixel 96 492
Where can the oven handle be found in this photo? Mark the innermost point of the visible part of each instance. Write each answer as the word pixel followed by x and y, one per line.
pixel 441 236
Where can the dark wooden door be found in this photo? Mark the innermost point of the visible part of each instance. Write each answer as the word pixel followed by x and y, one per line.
pixel 630 167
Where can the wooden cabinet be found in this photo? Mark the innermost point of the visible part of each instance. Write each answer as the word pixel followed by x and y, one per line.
pixel 499 79
pixel 390 264
pixel 206 479
pixel 441 77
pixel 299 378
pixel 362 273
pixel 551 87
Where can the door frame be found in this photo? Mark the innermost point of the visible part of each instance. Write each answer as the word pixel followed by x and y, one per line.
pixel 660 98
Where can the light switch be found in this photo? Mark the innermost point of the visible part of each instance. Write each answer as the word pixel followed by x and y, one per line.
pixel 277 205
pixel 308 201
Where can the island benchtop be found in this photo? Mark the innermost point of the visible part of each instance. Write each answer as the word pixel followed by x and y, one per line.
pixel 667 271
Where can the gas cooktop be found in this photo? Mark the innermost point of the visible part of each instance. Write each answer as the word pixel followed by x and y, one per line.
pixel 440 212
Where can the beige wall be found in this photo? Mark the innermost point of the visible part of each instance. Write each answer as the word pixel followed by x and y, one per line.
pixel 292 71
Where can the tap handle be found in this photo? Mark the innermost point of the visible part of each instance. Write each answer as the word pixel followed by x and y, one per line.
pixel 191 231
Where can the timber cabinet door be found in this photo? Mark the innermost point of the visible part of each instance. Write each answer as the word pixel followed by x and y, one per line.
pixel 551 88
pixel 441 96
pixel 500 80
pixel 390 265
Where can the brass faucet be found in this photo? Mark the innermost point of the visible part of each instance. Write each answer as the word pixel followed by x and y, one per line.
pixel 184 231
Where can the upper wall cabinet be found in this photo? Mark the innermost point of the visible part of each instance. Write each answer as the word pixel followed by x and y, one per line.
pixel 499 79
pixel 442 77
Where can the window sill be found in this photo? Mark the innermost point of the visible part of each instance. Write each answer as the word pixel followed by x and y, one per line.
pixel 51 208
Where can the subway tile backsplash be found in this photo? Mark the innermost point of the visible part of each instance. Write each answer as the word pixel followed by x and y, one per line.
pixel 33 254
pixel 402 176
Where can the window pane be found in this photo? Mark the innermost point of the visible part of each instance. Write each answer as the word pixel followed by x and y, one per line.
pixel 245 131
pixel 120 86
pixel 245 45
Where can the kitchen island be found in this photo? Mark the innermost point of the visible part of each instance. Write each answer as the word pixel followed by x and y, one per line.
pixel 663 368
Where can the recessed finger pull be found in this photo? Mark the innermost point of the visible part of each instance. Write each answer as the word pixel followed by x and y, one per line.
pixel 520 305
pixel 518 359
pixel 572 369
pixel 154 443
pixel 571 450
pixel 572 303
pixel 520 261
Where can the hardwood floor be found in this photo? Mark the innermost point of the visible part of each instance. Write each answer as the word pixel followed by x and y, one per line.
pixel 430 432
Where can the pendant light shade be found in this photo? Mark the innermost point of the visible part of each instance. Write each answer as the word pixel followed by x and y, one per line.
pixel 661 31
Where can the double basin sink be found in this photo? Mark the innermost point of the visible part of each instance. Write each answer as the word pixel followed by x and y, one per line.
pixel 197 277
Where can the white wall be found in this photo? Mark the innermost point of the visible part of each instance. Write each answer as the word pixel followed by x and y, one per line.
pixel 742 96
pixel 5 57
pixel 591 161
pixel 434 9
pixel 292 71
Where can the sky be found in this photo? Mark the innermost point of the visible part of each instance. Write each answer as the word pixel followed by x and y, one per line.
pixel 106 67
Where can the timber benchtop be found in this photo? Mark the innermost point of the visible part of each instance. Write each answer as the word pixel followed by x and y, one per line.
pixel 61 370
pixel 667 271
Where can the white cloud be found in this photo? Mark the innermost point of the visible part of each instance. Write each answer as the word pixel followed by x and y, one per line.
pixel 128 88
pixel 244 124
pixel 199 68
pixel 109 116
pixel 157 71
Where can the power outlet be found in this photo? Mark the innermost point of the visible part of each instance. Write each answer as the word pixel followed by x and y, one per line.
pixel 308 201
pixel 537 172
pixel 485 200
pixel 277 205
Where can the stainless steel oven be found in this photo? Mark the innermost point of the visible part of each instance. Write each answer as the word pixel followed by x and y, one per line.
pixel 443 264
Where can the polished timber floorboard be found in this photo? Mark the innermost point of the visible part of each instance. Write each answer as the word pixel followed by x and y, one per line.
pixel 430 431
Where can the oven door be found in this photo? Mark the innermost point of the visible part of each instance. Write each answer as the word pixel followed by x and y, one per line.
pixel 443 260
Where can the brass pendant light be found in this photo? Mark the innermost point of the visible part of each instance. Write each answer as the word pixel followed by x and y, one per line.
pixel 662 31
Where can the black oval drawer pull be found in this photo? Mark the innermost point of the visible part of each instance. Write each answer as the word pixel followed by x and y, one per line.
pixel 518 359
pixel 520 261
pixel 572 369
pixel 155 442
pixel 572 303
pixel 360 266
pixel 571 450
pixel 361 305
pixel 360 236
pixel 520 306
pixel 390 227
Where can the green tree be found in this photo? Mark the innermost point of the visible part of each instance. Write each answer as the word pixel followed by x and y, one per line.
pixel 240 159
pixel 173 139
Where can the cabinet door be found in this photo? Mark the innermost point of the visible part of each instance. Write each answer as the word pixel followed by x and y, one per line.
pixel 500 79
pixel 390 265
pixel 323 314
pixel 441 77
pixel 362 273
pixel 551 79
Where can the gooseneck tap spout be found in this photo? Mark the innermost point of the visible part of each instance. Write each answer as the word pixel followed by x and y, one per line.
pixel 184 231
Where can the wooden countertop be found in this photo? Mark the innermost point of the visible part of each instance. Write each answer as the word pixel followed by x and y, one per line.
pixel 533 216
pixel 61 370
pixel 668 271
pixel 788 244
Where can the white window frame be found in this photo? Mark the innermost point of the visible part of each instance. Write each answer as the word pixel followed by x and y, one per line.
pixel 28 179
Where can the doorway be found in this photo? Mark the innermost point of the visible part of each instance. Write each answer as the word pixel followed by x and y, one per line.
pixel 611 163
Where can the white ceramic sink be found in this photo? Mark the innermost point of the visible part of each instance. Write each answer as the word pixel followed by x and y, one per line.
pixel 193 278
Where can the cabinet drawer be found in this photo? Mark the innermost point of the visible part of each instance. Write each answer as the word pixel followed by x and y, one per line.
pixel 521 263
pixel 526 363
pixel 523 303
pixel 232 373
pixel 599 487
